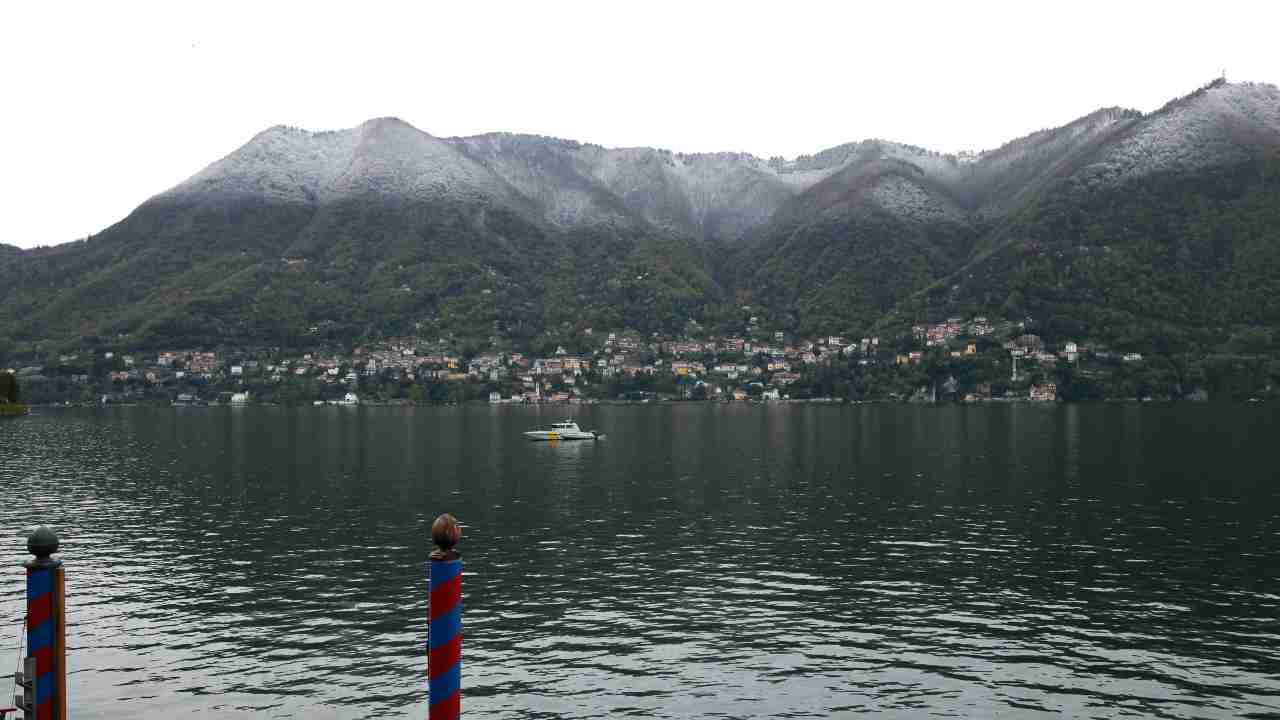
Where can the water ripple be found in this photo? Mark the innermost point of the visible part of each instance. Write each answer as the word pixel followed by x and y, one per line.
pixel 703 562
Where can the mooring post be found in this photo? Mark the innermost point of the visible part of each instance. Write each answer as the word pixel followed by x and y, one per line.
pixel 46 627
pixel 444 634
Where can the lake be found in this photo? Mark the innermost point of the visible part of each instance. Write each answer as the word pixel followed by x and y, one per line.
pixel 701 561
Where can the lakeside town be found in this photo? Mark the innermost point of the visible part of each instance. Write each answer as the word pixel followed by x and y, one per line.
pixel 956 360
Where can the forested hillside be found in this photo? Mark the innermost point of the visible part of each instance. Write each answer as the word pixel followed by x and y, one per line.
pixel 1154 232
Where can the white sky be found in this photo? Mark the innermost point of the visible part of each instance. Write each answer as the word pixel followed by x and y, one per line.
pixel 108 103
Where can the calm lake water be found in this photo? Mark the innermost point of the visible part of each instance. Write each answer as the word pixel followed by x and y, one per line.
pixel 702 561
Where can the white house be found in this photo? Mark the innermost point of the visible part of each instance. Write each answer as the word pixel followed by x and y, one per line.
pixel 241 398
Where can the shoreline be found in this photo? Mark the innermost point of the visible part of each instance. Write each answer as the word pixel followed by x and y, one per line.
pixel 6 411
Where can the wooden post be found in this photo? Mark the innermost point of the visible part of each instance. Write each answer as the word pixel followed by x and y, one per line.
pixel 444 633
pixel 46 626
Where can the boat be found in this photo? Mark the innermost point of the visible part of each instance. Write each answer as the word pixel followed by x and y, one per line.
pixel 567 430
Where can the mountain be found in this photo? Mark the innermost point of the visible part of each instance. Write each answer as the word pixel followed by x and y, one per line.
pixel 1117 226
pixel 895 218
pixel 1167 235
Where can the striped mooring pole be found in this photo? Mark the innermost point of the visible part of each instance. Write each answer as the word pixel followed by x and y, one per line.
pixel 45 678
pixel 444 633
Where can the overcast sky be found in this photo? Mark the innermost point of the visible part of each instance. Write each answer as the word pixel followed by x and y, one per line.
pixel 107 104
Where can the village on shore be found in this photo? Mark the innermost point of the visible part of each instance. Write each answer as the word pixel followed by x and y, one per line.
pixel 956 360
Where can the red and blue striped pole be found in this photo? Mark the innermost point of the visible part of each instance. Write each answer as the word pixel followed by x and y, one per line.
pixel 444 633
pixel 46 626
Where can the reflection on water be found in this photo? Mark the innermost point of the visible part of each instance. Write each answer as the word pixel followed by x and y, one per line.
pixel 1090 561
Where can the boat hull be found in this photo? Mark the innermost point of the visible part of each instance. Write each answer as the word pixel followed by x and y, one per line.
pixel 554 435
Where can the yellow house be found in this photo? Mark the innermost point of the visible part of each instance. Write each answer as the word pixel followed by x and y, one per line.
pixel 971 349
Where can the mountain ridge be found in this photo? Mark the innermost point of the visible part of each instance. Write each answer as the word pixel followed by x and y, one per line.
pixel 385 228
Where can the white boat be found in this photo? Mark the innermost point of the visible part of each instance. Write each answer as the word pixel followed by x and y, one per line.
pixel 567 430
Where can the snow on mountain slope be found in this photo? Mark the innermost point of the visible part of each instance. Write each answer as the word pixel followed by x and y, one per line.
pixel 549 171
pixel 382 156
pixel 280 163
pixel 911 184
pixel 727 196
pixel 908 199
pixel 713 195
pixel 392 157
pixel 999 181
pixel 1220 124
pixel 729 193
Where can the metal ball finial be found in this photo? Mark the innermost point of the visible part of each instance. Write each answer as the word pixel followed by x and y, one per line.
pixel 42 543
pixel 445 533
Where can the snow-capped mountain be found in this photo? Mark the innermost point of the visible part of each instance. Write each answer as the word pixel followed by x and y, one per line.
pixel 1216 126
pixel 725 196
pixel 384 156
pixel 386 226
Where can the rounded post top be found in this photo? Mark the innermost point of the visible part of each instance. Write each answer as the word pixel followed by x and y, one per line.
pixel 42 543
pixel 445 533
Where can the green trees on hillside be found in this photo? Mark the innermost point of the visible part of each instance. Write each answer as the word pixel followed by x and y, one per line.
pixel 1173 264
pixel 1169 264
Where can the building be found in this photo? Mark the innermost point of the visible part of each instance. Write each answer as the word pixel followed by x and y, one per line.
pixel 1030 342
pixel 1047 392
pixel 687 368
pixel 1071 352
